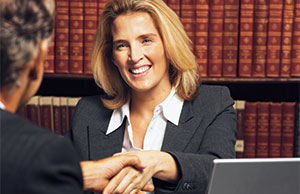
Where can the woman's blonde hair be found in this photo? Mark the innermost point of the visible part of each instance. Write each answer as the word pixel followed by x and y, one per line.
pixel 183 66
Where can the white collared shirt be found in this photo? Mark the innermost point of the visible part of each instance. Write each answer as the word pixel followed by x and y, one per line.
pixel 2 106
pixel 168 110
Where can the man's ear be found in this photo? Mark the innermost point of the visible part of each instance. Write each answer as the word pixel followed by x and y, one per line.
pixel 38 67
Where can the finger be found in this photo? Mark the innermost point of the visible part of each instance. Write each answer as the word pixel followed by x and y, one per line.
pixel 115 181
pixel 130 183
pixel 148 188
pixel 132 160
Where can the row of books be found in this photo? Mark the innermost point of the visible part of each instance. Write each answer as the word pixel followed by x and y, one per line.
pixel 267 129
pixel 53 113
pixel 231 38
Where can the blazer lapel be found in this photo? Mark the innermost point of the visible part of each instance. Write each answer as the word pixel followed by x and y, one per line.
pixel 102 145
pixel 177 137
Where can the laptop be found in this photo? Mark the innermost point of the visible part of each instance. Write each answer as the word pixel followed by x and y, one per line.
pixel 255 176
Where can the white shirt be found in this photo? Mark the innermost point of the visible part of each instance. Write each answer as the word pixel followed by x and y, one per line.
pixel 2 106
pixel 168 110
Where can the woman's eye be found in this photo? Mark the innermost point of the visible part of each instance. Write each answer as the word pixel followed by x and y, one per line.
pixel 120 46
pixel 146 40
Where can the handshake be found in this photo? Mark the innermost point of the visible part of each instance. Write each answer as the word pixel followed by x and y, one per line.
pixel 127 173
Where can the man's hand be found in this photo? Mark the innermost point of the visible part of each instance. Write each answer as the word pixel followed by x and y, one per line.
pixel 97 174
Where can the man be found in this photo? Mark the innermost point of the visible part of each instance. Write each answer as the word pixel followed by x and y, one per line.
pixel 33 160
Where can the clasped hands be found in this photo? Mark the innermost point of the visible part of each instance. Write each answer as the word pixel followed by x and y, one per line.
pixel 129 172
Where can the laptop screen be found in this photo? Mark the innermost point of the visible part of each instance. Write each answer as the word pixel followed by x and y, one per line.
pixel 255 176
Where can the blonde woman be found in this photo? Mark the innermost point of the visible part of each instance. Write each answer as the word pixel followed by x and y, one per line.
pixel 154 106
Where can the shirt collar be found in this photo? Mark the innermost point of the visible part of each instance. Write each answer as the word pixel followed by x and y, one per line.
pixel 2 106
pixel 171 108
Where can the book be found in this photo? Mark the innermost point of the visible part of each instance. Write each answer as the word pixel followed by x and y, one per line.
pixel 262 134
pixel 201 36
pixel 297 131
pixel 64 115
pixel 274 38
pixel 260 38
pixel 49 63
pixel 46 112
pixel 187 13
pixel 175 6
pixel 288 127
pixel 250 127
pixel 246 38
pixel 62 36
pixel 275 129
pixel 101 4
pixel 295 68
pixel 239 145
pixel 89 30
pixel 76 37
pixel 57 116
pixel 230 38
pixel 215 38
pixel 33 110
pixel 286 38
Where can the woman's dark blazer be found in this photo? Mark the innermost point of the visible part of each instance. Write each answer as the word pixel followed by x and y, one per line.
pixel 35 161
pixel 206 131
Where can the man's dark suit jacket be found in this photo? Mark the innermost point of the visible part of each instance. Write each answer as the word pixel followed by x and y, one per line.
pixel 35 161
pixel 206 130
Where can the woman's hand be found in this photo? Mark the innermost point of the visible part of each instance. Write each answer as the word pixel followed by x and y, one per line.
pixel 131 180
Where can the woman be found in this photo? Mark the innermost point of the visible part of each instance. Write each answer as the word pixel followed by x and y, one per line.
pixel 154 105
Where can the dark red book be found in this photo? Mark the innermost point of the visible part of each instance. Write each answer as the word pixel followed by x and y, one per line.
pixel 201 36
pixel 187 13
pixel 261 12
pixel 64 115
pixel 175 6
pixel 250 125
pixel 62 36
pixel 46 112
pixel 246 38
pixel 50 60
pixel 230 38
pixel 90 28
pixel 240 111
pixel 295 69
pixel 286 38
pixel 275 130
pixel 262 134
pixel 76 37
pixel 33 110
pixel 274 38
pixel 288 127
pixel 215 38
pixel 57 115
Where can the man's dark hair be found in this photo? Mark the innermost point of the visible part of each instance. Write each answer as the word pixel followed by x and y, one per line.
pixel 23 25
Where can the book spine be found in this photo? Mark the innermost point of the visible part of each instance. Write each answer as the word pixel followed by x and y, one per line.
pixel 90 28
pixel 50 60
pixel 286 39
pixel 33 110
pixel 297 131
pixel 76 37
pixel 215 38
pixel 187 13
pixel 260 38
pixel 295 69
pixel 275 130
pixel 246 38
pixel 288 127
pixel 57 117
pixel 175 6
pixel 46 112
pixel 240 111
pixel 64 115
pixel 250 129
pixel 230 38
pixel 62 36
pixel 274 38
pixel 262 137
pixel 201 35
pixel 101 4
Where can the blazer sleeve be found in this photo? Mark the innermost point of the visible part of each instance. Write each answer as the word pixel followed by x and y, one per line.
pixel 217 142
pixel 55 169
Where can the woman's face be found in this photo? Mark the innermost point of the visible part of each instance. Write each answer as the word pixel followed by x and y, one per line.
pixel 138 52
